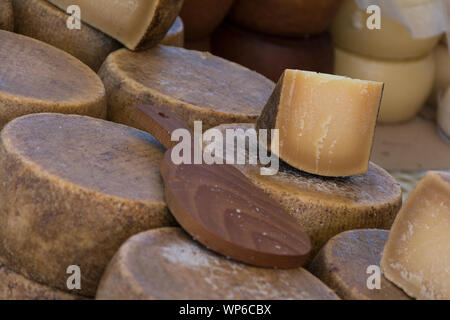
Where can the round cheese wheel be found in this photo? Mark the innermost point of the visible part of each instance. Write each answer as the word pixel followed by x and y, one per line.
pixel 407 84
pixel 41 20
pixel 285 17
pixel 167 264
pixel 326 206
pixel 14 286
pixel 270 55
pixel 6 15
pixel 36 77
pixel 201 17
pixel 175 35
pixel 194 85
pixel 391 41
pixel 442 80
pixel 344 261
pixel 73 190
pixel 443 115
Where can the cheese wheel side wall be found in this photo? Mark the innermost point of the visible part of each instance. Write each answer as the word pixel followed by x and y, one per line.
pixel 6 15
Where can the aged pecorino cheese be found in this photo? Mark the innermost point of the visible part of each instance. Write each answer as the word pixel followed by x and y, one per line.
pixel 201 17
pixel 36 77
pixel 194 85
pixel 271 55
pixel 6 15
pixel 138 24
pixel 285 17
pixel 175 35
pixel 326 206
pixel 417 254
pixel 347 262
pixel 75 188
pixel 14 286
pixel 167 264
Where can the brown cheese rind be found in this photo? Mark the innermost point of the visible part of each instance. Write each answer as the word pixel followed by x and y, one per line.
pixel 343 262
pixel 167 264
pixel 6 15
pixel 73 190
pixel 194 85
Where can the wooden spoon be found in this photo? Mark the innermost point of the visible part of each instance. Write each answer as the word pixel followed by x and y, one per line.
pixel 221 208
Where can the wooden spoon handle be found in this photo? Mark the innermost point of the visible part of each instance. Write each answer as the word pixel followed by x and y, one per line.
pixel 159 122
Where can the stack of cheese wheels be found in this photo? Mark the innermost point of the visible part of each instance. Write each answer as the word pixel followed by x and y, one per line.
pixel 167 264
pixel 269 36
pixel 41 20
pixel 194 85
pixel 6 15
pixel 36 77
pixel 73 189
pixel 390 55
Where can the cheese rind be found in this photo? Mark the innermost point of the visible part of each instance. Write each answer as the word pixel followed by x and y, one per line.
pixel 138 24
pixel 75 188
pixel 167 264
pixel 326 123
pixel 417 255
pixel 407 84
pixel 194 85
pixel 36 77
pixel 326 206
pixel 6 15
pixel 175 35
pixel 391 41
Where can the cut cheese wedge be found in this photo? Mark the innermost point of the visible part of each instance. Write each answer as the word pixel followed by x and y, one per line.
pixel 75 188
pixel 407 84
pixel 326 123
pixel 175 35
pixel 350 261
pixel 14 286
pixel 417 254
pixel 36 77
pixel 194 85
pixel 137 24
pixel 6 15
pixel 325 206
pixel 167 264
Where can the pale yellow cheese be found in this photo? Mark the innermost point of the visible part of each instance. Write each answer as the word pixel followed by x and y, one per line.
pixel 417 255
pixel 391 41
pixel 443 115
pixel 137 24
pixel 326 123
pixel 407 84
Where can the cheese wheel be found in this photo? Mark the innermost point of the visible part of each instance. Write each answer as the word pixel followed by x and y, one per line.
pixel 326 206
pixel 344 261
pixel 285 17
pixel 175 35
pixel 14 286
pixel 194 85
pixel 75 188
pixel 36 77
pixel 41 20
pixel 391 41
pixel 6 15
pixel 137 24
pixel 270 55
pixel 407 84
pixel 443 115
pixel 201 17
pixel 442 79
pixel 167 264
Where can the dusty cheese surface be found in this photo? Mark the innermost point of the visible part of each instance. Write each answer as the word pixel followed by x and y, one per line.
pixel 417 255
pixel 6 15
pixel 167 264
pixel 35 77
pixel 194 85
pixel 74 188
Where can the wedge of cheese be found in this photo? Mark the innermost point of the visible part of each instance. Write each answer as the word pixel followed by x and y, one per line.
pixel 6 15
pixel 194 85
pixel 167 264
pixel 326 123
pixel 36 77
pixel 407 83
pixel 417 254
pixel 323 206
pixel 137 24
pixel 175 35
pixel 73 190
